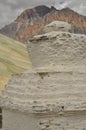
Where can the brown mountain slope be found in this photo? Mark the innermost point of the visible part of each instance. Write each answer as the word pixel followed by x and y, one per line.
pixel 32 21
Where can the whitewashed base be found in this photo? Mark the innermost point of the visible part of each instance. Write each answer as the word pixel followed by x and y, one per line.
pixel 13 120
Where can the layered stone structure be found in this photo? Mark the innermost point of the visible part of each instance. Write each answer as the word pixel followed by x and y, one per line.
pixel 57 26
pixel 52 95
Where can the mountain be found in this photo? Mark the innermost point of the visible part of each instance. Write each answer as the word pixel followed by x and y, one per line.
pixel 13 59
pixel 32 21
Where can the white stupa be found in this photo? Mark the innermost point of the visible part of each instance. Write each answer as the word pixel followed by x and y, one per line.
pixel 57 26
pixel 52 95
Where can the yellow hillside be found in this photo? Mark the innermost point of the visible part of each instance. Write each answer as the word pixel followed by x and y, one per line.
pixel 13 59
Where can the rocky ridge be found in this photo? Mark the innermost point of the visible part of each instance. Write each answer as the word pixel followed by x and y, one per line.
pixel 32 22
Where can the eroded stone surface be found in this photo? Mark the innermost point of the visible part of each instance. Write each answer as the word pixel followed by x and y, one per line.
pixel 74 122
pixel 58 49
pixel 57 26
pixel 46 92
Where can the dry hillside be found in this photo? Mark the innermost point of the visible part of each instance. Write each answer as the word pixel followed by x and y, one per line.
pixel 13 59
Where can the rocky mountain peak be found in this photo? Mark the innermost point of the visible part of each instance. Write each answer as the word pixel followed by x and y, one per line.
pixel 41 11
pixel 67 9
pixel 31 22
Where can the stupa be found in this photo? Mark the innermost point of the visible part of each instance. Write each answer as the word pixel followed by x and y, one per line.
pixel 51 96
pixel 57 26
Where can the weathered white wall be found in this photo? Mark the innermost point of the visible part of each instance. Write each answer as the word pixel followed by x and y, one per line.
pixel 57 49
pixel 67 122
pixel 46 91
pixel 14 120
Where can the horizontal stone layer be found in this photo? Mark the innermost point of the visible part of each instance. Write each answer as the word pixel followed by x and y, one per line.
pixel 46 92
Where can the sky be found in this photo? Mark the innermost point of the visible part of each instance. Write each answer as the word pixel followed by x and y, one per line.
pixel 10 9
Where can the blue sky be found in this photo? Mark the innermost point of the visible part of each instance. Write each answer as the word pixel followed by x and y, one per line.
pixel 10 9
